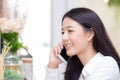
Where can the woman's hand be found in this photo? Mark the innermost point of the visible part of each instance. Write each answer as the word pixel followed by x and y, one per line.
pixel 54 61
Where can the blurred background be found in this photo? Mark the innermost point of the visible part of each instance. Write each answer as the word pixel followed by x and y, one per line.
pixel 42 29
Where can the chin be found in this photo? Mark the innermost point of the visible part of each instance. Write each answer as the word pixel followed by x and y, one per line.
pixel 71 53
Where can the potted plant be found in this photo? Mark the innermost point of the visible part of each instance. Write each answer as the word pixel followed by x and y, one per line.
pixel 10 32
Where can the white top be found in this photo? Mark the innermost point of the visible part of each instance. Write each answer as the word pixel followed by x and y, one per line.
pixel 98 68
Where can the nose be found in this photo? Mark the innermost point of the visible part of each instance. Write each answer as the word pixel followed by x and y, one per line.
pixel 65 37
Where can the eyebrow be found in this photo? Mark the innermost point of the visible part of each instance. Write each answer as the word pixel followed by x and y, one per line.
pixel 67 27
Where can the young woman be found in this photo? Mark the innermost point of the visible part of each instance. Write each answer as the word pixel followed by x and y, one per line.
pixel 92 55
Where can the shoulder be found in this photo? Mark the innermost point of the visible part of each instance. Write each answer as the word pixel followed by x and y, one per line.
pixel 108 64
pixel 106 69
pixel 108 61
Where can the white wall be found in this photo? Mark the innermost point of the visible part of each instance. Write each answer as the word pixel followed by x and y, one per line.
pixel 36 35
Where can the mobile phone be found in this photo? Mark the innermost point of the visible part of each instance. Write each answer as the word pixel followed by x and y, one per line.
pixel 63 56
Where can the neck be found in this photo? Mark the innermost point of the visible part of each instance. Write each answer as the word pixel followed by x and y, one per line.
pixel 86 55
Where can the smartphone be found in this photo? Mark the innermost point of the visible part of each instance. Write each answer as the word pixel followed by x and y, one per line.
pixel 63 56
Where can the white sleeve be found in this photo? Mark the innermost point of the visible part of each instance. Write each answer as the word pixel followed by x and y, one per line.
pixel 56 74
pixel 107 70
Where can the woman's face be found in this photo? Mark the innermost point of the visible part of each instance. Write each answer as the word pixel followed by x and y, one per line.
pixel 74 37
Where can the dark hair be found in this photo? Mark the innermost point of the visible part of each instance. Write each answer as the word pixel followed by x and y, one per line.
pixel 101 41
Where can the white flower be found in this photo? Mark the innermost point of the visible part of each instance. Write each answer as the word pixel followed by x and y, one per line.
pixel 8 25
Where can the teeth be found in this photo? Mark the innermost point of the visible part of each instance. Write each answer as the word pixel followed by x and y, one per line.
pixel 67 45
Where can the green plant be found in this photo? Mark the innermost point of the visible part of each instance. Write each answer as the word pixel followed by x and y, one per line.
pixel 12 38
pixel 10 74
pixel 115 3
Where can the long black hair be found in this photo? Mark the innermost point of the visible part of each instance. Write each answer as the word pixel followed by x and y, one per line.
pixel 101 41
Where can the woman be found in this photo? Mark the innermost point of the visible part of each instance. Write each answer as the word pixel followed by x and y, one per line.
pixel 92 55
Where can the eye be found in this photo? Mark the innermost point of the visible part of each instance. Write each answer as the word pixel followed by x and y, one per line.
pixel 70 31
pixel 62 32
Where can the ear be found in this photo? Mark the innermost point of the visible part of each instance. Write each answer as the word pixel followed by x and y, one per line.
pixel 91 34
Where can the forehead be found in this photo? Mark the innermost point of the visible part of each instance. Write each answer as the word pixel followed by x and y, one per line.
pixel 69 23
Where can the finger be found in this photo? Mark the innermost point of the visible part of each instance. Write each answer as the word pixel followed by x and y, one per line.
pixel 60 45
pixel 56 51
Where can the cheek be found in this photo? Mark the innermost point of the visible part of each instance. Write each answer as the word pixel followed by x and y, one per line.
pixel 80 42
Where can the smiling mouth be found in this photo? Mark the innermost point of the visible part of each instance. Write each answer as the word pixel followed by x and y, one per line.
pixel 68 46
